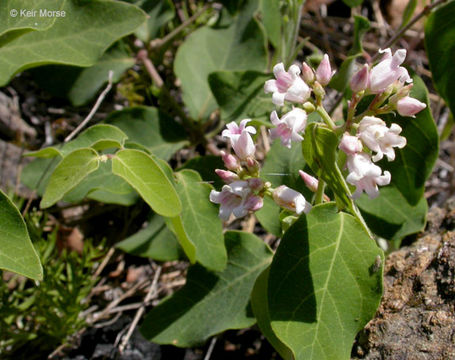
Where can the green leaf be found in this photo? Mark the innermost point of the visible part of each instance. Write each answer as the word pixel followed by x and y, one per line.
pixel 391 216
pixel 408 12
pixel 98 137
pixel 92 79
pixel 16 249
pixel 79 38
pixel 211 302
pixel 260 306
pixel 20 23
pixel 271 18
pixel 199 222
pixel 36 174
pixel 353 3
pixel 143 173
pixel 269 216
pixel 159 11
pixel 320 152
pixel 68 173
pixel 151 128
pixel 237 47
pixel 155 241
pixel 240 95
pixel 413 164
pixel 102 185
pixel 324 284
pixel 439 35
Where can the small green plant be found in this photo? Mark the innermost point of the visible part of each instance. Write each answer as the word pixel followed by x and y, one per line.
pixel 42 315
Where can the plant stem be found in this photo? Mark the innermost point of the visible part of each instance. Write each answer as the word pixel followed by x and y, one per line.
pixel 320 192
pixel 326 117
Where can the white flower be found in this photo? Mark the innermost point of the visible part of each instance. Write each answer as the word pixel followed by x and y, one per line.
pixel 240 138
pixel 388 70
pixel 379 138
pixel 289 126
pixel 236 198
pixel 365 175
pixel 287 86
pixel 291 199
pixel 350 144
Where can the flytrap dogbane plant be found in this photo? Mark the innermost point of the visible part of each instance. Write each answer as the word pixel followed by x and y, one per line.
pixel 364 138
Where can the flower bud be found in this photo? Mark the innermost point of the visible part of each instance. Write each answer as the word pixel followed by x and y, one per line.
pixel 318 90
pixel 254 203
pixel 350 144
pixel 324 71
pixel 307 73
pixel 230 161
pixel 255 184
pixel 310 181
pixel 360 79
pixel 409 106
pixel 291 200
pixel 308 107
pixel 227 176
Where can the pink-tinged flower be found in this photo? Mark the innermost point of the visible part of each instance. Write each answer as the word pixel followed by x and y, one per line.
pixel 310 181
pixel 360 80
pixel 230 161
pixel 235 198
pixel 289 126
pixel 324 71
pixel 287 86
pixel 233 130
pixel 409 106
pixel 365 175
pixel 379 138
pixel 227 176
pixel 307 73
pixel 388 70
pixel 350 144
pixel 291 200
pixel 256 184
pixel 243 145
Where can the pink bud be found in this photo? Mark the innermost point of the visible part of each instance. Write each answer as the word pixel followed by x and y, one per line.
pixel 350 144
pixel 227 176
pixel 255 184
pixel 324 71
pixel 310 181
pixel 360 79
pixel 307 73
pixel 409 106
pixel 230 161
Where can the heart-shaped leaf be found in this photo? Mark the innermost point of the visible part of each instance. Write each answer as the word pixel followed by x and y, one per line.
pixel 16 249
pixel 325 284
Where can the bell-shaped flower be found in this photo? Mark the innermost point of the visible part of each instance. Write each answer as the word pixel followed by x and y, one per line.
pixel 324 71
pixel 235 198
pixel 408 106
pixel 388 70
pixel 361 79
pixel 287 86
pixel 365 175
pixel 289 126
pixel 233 130
pixel 379 138
pixel 243 146
pixel 350 144
pixel 291 200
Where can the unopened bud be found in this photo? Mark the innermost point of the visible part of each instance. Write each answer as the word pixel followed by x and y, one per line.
pixel 254 203
pixel 318 90
pixel 227 176
pixel 310 181
pixel 308 107
pixel 255 184
pixel 230 161
pixel 291 199
pixel 307 73
pixel 360 79
pixel 409 106
pixel 324 71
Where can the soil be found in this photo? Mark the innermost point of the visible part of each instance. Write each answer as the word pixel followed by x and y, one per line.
pixel 415 320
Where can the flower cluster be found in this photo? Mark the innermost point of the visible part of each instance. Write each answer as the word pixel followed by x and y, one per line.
pixel 366 138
